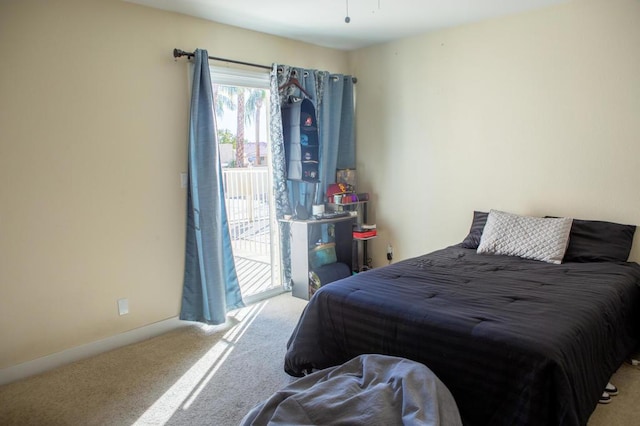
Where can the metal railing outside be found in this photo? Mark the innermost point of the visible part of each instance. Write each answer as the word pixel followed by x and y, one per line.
pixel 247 199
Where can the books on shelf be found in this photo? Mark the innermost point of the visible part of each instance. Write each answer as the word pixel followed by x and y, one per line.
pixel 366 234
pixel 365 231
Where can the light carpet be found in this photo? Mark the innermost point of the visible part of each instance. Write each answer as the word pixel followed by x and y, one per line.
pixel 199 375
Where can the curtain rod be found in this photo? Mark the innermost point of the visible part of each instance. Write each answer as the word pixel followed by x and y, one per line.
pixel 178 53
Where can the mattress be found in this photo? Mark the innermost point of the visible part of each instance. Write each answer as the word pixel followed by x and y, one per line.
pixel 515 341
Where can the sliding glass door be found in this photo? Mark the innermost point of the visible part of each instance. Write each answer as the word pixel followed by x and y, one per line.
pixel 241 107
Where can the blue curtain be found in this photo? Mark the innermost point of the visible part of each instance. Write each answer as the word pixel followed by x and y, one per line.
pixel 336 132
pixel 332 96
pixel 211 287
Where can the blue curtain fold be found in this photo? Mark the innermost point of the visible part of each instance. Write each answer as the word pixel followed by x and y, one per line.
pixel 346 157
pixel 211 287
pixel 329 120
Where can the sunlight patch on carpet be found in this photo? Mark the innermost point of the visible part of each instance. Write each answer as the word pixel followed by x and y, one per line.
pixel 186 389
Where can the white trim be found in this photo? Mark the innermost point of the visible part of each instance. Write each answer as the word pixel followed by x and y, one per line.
pixel 40 365
pixel 238 77
pixel 250 300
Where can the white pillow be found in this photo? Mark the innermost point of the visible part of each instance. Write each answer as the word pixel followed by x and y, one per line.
pixel 536 238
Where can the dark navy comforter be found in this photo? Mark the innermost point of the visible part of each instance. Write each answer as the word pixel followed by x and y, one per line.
pixel 517 342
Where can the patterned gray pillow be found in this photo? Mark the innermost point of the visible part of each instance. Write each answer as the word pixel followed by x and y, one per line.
pixel 536 238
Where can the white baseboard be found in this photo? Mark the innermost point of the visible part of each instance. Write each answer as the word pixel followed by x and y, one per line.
pixel 40 365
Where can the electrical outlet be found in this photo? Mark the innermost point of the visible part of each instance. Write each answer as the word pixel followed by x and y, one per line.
pixel 123 306
pixel 183 180
pixel 389 252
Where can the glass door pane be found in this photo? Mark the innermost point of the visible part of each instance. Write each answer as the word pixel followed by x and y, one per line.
pixel 242 118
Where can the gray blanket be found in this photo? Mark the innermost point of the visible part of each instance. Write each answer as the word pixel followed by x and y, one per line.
pixel 367 390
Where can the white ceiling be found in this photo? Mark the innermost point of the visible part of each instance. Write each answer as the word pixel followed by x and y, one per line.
pixel 323 22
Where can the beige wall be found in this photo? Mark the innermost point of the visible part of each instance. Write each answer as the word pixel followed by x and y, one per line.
pixel 93 125
pixel 535 114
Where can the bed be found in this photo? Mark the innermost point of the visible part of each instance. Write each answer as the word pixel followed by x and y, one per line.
pixel 515 340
